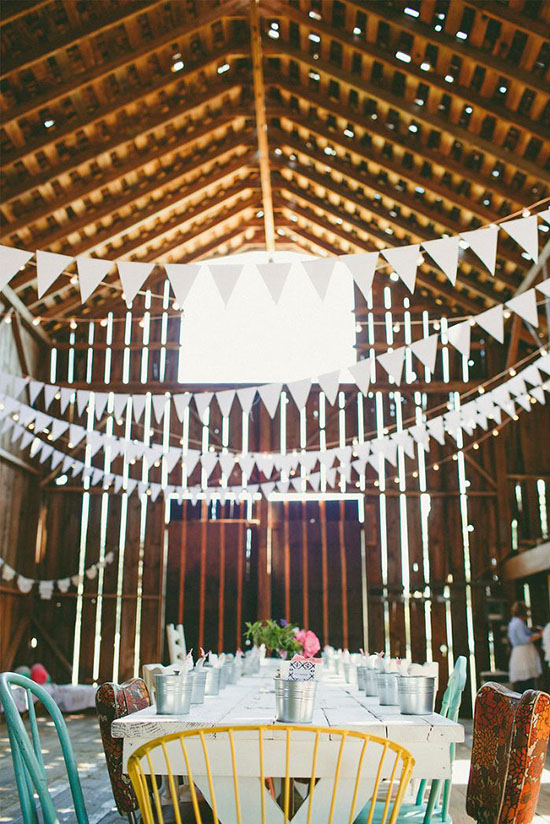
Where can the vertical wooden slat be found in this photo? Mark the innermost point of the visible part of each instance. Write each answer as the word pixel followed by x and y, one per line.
pixel 240 571
pixel 286 558
pixel 183 553
pixel 324 570
pixel 202 585
pixel 305 577
pixel 344 574
pixel 221 586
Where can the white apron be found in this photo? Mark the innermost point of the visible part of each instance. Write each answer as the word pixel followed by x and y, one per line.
pixel 524 663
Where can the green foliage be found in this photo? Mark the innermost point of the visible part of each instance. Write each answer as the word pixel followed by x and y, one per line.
pixel 273 635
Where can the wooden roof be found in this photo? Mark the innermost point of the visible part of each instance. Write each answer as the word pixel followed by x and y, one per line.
pixel 175 130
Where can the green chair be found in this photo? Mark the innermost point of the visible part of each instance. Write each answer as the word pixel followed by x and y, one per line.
pixel 432 811
pixel 28 762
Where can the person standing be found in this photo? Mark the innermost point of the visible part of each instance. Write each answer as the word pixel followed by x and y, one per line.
pixel 525 666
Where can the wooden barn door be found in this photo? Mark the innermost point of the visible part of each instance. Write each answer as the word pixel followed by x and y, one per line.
pixel 211 585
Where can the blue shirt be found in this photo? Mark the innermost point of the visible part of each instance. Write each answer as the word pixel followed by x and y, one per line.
pixel 519 633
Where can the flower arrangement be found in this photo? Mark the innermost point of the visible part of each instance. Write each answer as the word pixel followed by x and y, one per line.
pixel 282 637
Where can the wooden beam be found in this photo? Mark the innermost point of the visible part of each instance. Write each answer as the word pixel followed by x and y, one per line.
pixel 535 269
pixel 261 125
pixel 16 303
pixel 18 462
pixel 527 563
pixel 52 644
pixel 15 642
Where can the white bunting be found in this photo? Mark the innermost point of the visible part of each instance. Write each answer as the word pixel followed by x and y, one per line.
pixel 58 428
pixel 436 429
pixel 524 231
pixel 419 433
pixel 191 460
pixel 532 375
pixel 459 337
pixel 524 401
pixel 26 439
pixel 208 462
pixel 404 440
pixel 362 268
pixel 544 287
pixel 91 272
pixel 330 384
pixel 264 462
pixel 49 266
pixel 268 488
pixel 159 405
pixel 121 401
pixel 82 400
pixel 24 584
pixel 100 402
pixel 202 402
pixel 493 322
pixel 270 394
pixel 226 277
pixel 49 394
pixel 66 395
pixel 35 387
pixel 484 243
pixel 360 373
pixel 172 458
pixel 444 252
pixel 525 306
pixel 20 383
pixel 225 401
pixel 182 276
pixel 227 464
pixel 404 261
pixel 545 215
pixel 320 272
pixel 274 275
pixel 132 276
pixel 181 402
pixel 246 462
pixel 308 460
pixel 300 392
pixel 11 261
pixel 57 457
pixel 155 491
pixel 393 363
pixel 282 486
pixel 138 406
pixel 538 393
pixel 246 398
pixel 425 350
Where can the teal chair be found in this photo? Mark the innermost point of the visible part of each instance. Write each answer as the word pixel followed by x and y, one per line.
pixel 28 762
pixel 434 810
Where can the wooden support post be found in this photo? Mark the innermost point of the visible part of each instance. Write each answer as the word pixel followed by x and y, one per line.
pixel 183 547
pixel 305 573
pixel 240 572
pixel 202 585
pixel 344 574
pixel 324 569
pixel 264 560
pixel 286 558
pixel 261 125
pixel 221 589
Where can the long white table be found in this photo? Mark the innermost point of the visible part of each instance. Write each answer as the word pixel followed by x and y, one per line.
pixel 252 702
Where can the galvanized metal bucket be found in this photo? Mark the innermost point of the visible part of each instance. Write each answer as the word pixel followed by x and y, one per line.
pixel 361 677
pixel 416 694
pixel 371 682
pixel 237 671
pixel 295 700
pixel 198 678
pixel 388 694
pixel 226 674
pixel 173 694
pixel 212 686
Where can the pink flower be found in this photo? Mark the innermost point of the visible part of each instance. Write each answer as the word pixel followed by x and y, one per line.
pixel 309 641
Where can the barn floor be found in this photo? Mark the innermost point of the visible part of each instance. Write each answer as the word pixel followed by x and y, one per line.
pixel 86 741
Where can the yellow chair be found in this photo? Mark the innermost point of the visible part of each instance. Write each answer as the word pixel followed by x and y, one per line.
pixel 265 774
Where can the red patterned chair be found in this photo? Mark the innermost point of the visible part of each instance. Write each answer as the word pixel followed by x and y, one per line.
pixel 508 753
pixel 115 701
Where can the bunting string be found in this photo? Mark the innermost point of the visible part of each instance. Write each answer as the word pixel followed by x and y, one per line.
pixel 46 587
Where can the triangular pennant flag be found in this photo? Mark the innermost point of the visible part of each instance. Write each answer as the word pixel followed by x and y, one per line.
pixel 159 405
pixel 138 406
pixel 225 277
pixel 437 429
pixel 26 439
pixel 538 393
pixel 20 383
pixel 132 276
pixel 525 306
pixel 246 462
pixel 91 272
pixel 493 322
pixel 66 395
pixel 532 375
pixel 172 457
pixel 484 243
pixel 270 394
pixel 425 350
pixel 42 421
pixel 202 402
pixel 182 276
pixel 320 272
pixel 49 394
pixel 330 384
pixel 227 464
pixel 523 401
pixel 404 261
pixel 82 400
pixel 35 387
pixel 49 266
pixel 406 442
pixel 393 363
pixel 58 428
pixel 459 337
pixel 524 231
pixel 117 486
pixel 274 275
pixel 100 402
pixel 331 477
pixel 131 485
pixel 444 252
pixel 181 402
pixel 360 373
pixel 544 287
pixel 420 434
pixel 155 491
pixel 268 488
pixel 300 392
pixel 308 460
pixel 545 215
pixel 314 481
pixel 120 405
pixel 208 462
pixel 282 486
pixel 225 401
pixel 362 267
pixel 57 457
pixel 246 398
pixel 264 462
pixel 11 261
